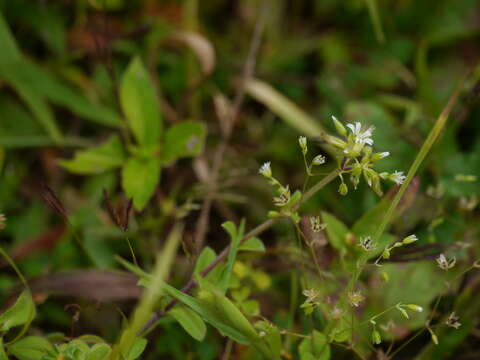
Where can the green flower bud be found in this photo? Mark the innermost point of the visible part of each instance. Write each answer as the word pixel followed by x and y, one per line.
pixel 376 338
pixel 414 307
pixel 302 141
pixel 379 156
pixel 409 239
pixel 339 127
pixel 386 254
pixel 343 189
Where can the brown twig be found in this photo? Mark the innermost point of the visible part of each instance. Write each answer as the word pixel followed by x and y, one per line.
pixel 201 227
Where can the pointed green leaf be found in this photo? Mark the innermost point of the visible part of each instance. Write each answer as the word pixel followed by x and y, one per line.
pixel 140 177
pixel 3 355
pixel 140 105
pixel 137 349
pixel 204 259
pixel 336 230
pixel 97 159
pixel 183 140
pixel 190 321
pixel 252 244
pixel 22 312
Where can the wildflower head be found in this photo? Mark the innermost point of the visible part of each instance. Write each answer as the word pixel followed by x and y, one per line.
pixel 266 170
pixel 316 224
pixel 444 263
pixel 452 321
pixel 367 243
pixel 355 298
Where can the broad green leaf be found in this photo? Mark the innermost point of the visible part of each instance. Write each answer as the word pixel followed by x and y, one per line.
pixel 140 177
pixel 137 349
pixel 97 159
pixel 204 259
pixel 190 321
pixel 22 312
pixel 140 105
pixel 3 355
pixel 31 348
pixel 98 352
pixel 183 140
pixel 315 348
pixel 252 244
pixel 336 231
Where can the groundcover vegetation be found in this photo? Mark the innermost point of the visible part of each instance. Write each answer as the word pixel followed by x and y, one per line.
pixel 249 179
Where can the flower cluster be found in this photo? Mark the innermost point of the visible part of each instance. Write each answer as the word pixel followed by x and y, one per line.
pixel 358 157
pixel 284 199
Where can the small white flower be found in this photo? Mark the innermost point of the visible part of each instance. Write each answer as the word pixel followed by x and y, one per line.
pixel 318 160
pixel 265 170
pixel 444 263
pixel 361 137
pixel 398 177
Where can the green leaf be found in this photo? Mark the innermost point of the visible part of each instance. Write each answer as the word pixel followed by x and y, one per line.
pixel 140 177
pixel 97 159
pixel 3 355
pixel 315 348
pixel 183 140
pixel 10 51
pixel 252 244
pixel 31 348
pixel 204 259
pixel 190 321
pixel 22 312
pixel 236 236
pixel 137 349
pixel 272 337
pixel 140 105
pixel 32 99
pixel 98 352
pixel 336 230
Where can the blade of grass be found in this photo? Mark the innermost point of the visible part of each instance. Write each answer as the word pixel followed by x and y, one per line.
pixel 376 22
pixel 283 107
pixel 145 308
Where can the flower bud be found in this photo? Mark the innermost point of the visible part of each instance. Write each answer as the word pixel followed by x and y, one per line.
pixel 343 189
pixel 409 239
pixel 266 170
pixel 302 141
pixel 318 160
pixel 414 307
pixel 376 338
pixel 339 127
pixel 379 156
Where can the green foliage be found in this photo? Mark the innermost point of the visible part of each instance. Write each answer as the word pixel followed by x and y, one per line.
pixel 20 313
